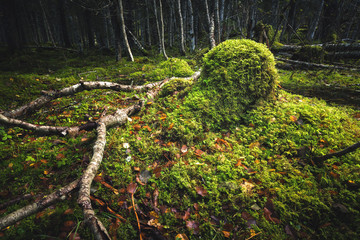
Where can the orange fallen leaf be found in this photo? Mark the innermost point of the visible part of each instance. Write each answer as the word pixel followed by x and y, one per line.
pixel 293 118
pixel 137 127
pixel 181 236
pixel 171 126
pixel 148 128
pixel 226 234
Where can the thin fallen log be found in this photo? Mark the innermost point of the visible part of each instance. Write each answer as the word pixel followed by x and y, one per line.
pixel 38 206
pixel 82 86
pixel 290 64
pixel 347 150
pixel 121 116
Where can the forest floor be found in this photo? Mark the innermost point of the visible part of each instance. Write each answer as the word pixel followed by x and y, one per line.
pixel 259 180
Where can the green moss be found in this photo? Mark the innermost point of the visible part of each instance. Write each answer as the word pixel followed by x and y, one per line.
pixel 174 85
pixel 309 53
pixel 236 75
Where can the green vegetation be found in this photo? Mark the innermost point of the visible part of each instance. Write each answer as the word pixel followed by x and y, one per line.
pixel 310 53
pixel 237 74
pixel 211 168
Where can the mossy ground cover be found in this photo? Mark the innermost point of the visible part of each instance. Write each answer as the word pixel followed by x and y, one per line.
pixel 253 179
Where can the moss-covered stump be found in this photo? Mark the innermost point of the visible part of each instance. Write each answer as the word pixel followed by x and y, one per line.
pixel 237 74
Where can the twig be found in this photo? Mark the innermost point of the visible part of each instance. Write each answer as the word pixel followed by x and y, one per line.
pixel 137 217
pixel 347 150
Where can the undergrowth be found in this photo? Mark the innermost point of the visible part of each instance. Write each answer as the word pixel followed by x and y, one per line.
pixel 255 179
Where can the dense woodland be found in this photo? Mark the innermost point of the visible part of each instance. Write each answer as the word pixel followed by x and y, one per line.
pixel 185 25
pixel 179 119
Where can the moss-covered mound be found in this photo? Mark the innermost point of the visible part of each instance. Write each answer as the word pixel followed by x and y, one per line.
pixel 173 67
pixel 236 75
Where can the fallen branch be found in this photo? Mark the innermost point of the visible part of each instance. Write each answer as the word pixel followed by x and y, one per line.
pixel 307 65
pixel 38 206
pixel 72 90
pixel 17 199
pixel 121 116
pixel 347 150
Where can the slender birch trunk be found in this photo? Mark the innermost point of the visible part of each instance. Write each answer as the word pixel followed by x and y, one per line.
pixel 124 31
pixel 191 32
pixel 211 24
pixel 182 38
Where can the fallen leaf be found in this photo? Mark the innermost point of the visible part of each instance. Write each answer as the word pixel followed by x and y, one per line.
pixel 132 188
pixel 226 234
pixel 181 236
pixel 148 128
pixel 171 126
pixel 293 118
pixel 137 127
pixel 198 152
pixel 201 191
pixel 186 215
pixel 69 211
pixel 193 225
pixel 184 149
pixel 60 156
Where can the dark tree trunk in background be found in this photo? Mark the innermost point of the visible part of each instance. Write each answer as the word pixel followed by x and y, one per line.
pixel 64 29
pixel 315 22
pixel 89 30
pixel 10 20
pixel 191 31
pixel 117 35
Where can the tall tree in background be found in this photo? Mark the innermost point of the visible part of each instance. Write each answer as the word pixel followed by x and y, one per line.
pixel 191 31
pixel 124 31
pixel 211 24
pixel 182 36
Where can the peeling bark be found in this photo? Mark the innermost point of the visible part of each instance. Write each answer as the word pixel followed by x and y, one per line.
pixel 28 210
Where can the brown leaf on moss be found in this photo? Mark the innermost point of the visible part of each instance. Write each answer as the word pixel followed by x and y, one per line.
pixel 201 191
pixel 181 236
pixel 137 127
pixel 132 188
pixel 186 215
pixel 60 156
pixel 226 234
pixel 193 225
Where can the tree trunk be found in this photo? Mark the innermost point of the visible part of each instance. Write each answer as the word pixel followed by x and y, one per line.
pixel 191 32
pixel 315 23
pixel 124 31
pixel 182 37
pixel 162 31
pixel 217 19
pixel 64 30
pixel 148 29
pixel 211 23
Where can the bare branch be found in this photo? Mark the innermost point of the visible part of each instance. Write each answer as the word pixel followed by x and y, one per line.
pixel 347 150
pixel 38 206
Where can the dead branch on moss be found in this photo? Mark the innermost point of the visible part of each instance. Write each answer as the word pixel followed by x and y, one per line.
pixel 347 150
pixel 289 64
pixel 120 117
pixel 79 87
pixel 38 206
